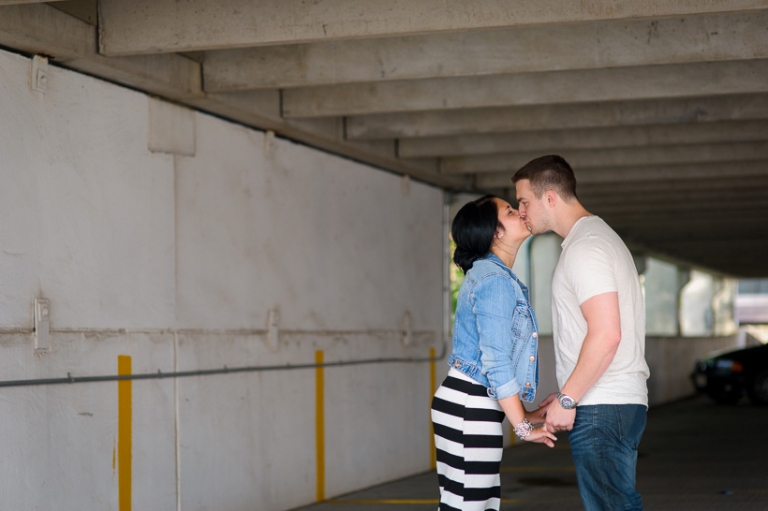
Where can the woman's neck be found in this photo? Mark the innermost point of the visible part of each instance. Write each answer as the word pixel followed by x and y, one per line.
pixel 507 252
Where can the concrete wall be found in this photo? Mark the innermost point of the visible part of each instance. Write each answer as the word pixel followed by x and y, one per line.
pixel 671 361
pixel 172 237
pixel 175 256
pixel 661 290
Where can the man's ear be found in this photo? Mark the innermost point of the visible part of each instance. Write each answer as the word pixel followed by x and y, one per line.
pixel 550 197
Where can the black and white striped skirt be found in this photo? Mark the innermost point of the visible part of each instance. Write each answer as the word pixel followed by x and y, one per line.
pixel 469 443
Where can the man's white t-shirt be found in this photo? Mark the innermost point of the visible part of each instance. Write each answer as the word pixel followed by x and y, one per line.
pixel 596 261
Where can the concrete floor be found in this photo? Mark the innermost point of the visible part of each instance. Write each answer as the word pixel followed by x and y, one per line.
pixel 695 455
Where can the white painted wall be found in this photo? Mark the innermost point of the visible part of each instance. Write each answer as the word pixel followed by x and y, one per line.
pixel 671 361
pixel 175 257
pixel 544 254
pixel 661 290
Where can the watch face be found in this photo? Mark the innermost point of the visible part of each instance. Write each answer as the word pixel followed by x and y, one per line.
pixel 566 402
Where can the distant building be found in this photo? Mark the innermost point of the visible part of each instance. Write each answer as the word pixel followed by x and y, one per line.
pixel 752 302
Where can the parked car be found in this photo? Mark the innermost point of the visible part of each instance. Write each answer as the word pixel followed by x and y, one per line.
pixel 726 377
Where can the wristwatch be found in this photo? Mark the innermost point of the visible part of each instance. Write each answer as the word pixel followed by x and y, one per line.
pixel 567 402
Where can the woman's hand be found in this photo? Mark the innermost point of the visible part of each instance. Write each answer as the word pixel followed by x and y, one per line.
pixel 541 436
pixel 517 414
pixel 537 416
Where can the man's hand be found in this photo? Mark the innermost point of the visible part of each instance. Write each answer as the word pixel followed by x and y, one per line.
pixel 536 416
pixel 557 417
pixel 547 400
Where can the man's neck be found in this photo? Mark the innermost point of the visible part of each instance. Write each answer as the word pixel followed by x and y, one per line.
pixel 571 214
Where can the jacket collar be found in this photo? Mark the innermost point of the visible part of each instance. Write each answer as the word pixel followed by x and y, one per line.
pixel 490 256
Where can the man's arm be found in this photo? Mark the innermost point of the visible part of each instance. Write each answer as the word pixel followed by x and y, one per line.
pixel 603 336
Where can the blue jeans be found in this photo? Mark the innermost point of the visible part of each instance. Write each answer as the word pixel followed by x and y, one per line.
pixel 604 442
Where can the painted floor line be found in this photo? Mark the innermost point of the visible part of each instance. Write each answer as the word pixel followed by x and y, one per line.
pixel 537 469
pixel 430 502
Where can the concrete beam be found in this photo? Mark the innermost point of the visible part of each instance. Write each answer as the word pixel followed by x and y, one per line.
pixel 37 28
pixel 561 140
pixel 660 195
pixel 725 208
pixel 711 250
pixel 647 173
pixel 699 225
pixel 613 157
pixel 655 202
pixel 757 247
pixel 737 264
pixel 675 172
pixel 16 2
pixel 520 50
pixel 627 200
pixel 581 86
pixel 648 190
pixel 649 240
pixel 637 194
pixel 725 251
pixel 554 117
pixel 72 43
pixel 724 228
pixel 324 134
pixel 692 220
pixel 150 26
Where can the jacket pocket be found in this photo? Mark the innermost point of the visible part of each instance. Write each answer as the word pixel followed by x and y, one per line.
pixel 522 323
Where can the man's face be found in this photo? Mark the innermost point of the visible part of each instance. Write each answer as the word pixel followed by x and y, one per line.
pixel 532 208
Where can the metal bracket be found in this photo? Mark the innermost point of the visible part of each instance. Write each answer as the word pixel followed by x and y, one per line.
pixel 38 78
pixel 405 185
pixel 407 329
pixel 42 325
pixel 269 141
pixel 273 329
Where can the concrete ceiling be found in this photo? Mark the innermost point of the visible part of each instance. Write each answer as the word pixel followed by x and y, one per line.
pixel 661 106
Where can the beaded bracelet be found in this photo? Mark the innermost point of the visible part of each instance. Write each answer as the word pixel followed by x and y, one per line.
pixel 523 429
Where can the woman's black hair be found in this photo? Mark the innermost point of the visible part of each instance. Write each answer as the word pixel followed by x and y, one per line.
pixel 473 230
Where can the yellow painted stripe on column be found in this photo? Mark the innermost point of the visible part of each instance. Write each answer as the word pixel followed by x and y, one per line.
pixel 320 425
pixel 124 434
pixel 432 390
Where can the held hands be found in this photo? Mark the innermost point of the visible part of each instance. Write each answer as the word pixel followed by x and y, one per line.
pixel 541 436
pixel 556 418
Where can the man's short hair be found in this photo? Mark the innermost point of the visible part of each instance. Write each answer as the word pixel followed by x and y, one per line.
pixel 550 172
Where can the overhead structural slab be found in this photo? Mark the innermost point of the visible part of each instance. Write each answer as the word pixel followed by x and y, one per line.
pixel 609 84
pixel 151 26
pixel 661 106
pixel 601 114
pixel 525 49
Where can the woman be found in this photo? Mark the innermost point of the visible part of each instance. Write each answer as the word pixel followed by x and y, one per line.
pixel 494 364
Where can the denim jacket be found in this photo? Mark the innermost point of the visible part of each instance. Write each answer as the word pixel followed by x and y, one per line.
pixel 495 338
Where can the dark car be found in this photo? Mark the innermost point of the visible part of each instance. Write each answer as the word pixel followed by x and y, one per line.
pixel 726 377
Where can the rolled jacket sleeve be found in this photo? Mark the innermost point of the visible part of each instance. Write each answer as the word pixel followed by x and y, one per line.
pixel 494 304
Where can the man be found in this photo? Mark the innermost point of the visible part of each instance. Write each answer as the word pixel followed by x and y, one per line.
pixel 598 319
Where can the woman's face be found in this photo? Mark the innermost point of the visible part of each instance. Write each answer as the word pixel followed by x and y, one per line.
pixel 514 226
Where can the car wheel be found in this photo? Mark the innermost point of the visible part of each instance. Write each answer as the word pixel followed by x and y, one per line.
pixel 758 389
